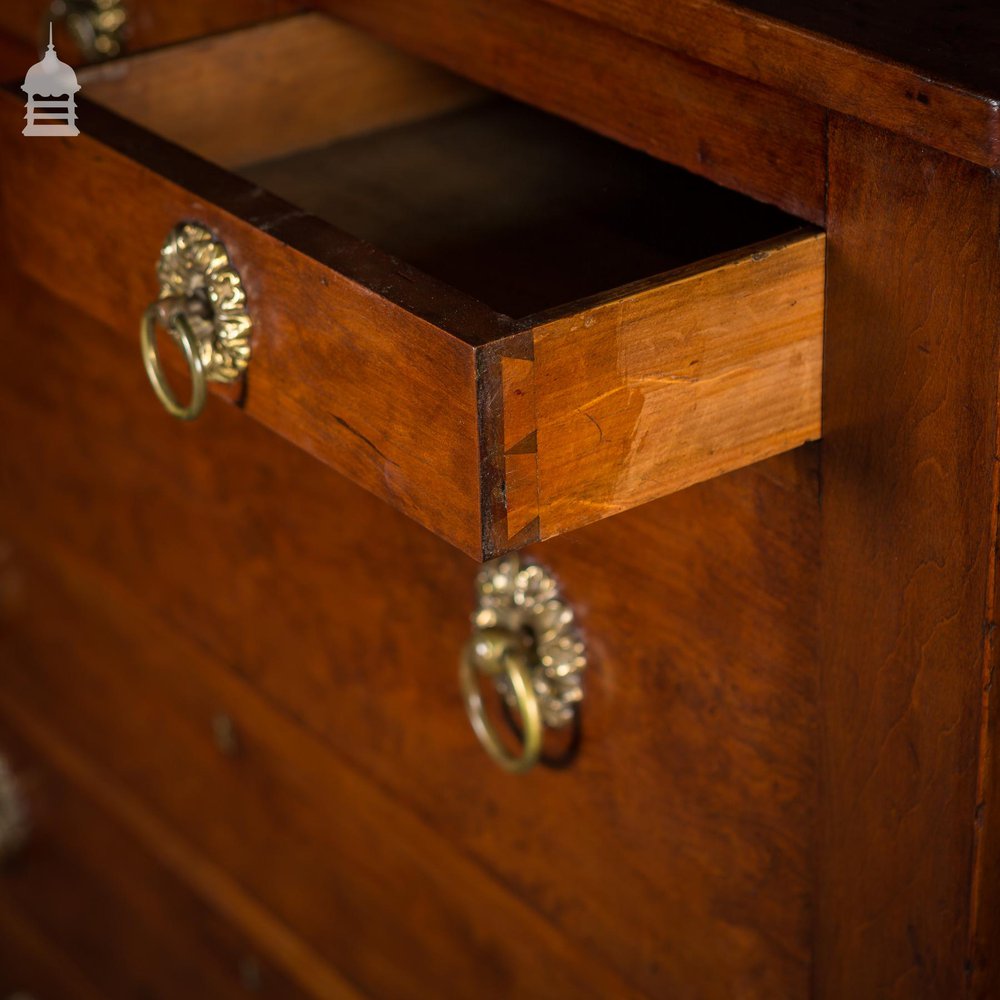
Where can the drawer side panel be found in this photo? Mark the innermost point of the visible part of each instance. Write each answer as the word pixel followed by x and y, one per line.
pixel 678 382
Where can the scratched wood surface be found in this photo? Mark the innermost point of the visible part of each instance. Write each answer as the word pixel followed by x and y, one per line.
pixel 909 498
pixel 926 69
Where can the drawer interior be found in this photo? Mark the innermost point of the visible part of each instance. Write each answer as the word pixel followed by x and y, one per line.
pixel 517 208
pixel 514 207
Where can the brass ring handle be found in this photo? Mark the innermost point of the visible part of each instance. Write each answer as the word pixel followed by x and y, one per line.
pixel 203 306
pixel 494 653
pixel 181 330
pixel 525 640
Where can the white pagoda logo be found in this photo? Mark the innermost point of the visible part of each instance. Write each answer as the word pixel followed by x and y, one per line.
pixel 51 86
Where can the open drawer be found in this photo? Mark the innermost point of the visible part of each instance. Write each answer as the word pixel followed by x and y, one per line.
pixel 498 322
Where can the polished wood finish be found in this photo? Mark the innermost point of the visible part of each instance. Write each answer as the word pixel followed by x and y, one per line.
pixel 120 922
pixel 365 883
pixel 784 780
pixel 646 394
pixel 696 872
pixel 909 495
pixel 327 348
pixel 276 88
pixel 981 967
pixel 926 69
pixel 388 374
pixel 945 41
pixel 738 133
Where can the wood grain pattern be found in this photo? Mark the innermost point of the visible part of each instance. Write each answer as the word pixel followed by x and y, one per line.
pixel 678 382
pixel 364 383
pixel 86 889
pixel 696 870
pixel 285 599
pixel 363 882
pixel 372 366
pixel 738 133
pixel 909 422
pixel 936 81
pixel 275 89
pixel 925 69
pixel 981 966
pixel 520 445
pixel 947 42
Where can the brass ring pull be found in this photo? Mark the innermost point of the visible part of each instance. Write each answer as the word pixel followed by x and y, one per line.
pixel 525 641
pixel 494 653
pixel 181 331
pixel 202 305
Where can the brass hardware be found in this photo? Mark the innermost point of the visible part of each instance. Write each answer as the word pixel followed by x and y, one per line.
pixel 498 654
pixel 96 26
pixel 525 640
pixel 180 328
pixel 13 814
pixel 202 305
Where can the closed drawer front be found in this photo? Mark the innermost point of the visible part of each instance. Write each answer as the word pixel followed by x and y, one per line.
pixel 171 577
pixel 88 911
pixel 359 879
pixel 504 325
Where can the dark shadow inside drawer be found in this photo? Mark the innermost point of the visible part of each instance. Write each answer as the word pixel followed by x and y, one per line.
pixel 516 208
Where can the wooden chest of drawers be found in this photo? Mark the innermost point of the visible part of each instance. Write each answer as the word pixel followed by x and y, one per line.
pixel 446 326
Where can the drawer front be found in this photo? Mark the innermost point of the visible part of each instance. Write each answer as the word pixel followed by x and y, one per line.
pixel 676 845
pixel 87 911
pixel 354 876
pixel 563 354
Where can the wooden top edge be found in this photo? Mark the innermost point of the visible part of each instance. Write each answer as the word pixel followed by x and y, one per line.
pixel 803 234
pixel 942 100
